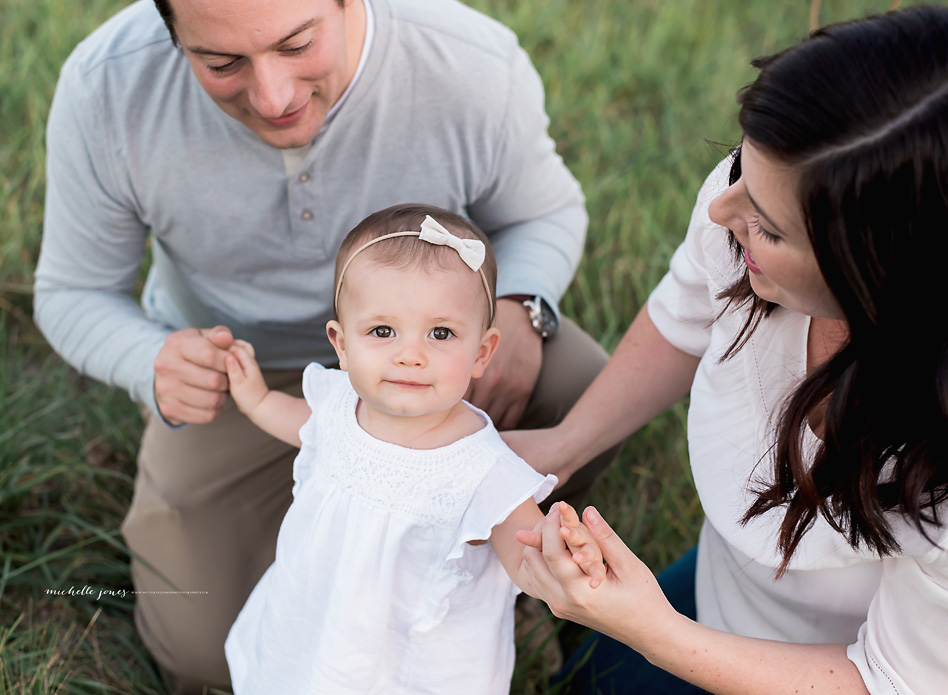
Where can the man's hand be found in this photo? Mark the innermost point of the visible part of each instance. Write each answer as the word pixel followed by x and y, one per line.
pixel 547 451
pixel 508 382
pixel 191 376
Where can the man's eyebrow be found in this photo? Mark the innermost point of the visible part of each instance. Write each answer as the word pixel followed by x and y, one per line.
pixel 200 50
pixel 764 214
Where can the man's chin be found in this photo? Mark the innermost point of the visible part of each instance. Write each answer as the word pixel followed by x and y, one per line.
pixel 285 138
pixel 286 141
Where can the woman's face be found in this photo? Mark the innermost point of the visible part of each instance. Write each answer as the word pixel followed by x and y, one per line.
pixel 762 210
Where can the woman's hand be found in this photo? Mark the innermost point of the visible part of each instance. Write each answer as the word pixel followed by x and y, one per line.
pixel 628 606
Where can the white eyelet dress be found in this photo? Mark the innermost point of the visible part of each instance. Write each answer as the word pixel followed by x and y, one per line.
pixel 375 588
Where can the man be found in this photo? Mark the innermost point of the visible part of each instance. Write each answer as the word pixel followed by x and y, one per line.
pixel 241 152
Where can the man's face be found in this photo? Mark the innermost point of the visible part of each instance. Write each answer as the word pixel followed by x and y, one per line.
pixel 277 66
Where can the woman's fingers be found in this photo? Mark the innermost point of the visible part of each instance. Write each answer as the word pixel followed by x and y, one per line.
pixel 615 552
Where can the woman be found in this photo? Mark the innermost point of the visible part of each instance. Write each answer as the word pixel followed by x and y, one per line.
pixel 813 339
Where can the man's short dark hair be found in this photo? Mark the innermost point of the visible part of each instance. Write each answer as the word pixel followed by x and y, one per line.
pixel 167 14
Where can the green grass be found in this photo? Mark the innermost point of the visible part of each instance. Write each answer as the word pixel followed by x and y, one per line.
pixel 635 91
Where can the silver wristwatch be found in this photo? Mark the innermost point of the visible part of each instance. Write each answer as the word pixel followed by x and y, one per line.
pixel 542 317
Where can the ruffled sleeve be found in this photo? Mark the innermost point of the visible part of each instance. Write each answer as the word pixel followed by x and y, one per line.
pixel 682 305
pixel 319 386
pixel 508 484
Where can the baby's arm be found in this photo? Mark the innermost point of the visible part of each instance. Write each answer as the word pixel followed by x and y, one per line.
pixel 508 548
pixel 584 549
pixel 581 544
pixel 276 413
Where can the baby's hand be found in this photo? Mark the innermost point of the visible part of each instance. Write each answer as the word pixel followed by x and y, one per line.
pixel 246 381
pixel 581 544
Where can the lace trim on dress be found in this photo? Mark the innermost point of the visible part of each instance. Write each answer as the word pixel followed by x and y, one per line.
pixel 431 485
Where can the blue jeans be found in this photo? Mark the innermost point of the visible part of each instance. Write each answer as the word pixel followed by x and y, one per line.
pixel 603 666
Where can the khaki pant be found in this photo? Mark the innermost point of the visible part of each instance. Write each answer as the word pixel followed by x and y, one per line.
pixel 209 500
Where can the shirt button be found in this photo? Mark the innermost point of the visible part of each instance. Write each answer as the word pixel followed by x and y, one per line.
pixel 303 178
pixel 307 215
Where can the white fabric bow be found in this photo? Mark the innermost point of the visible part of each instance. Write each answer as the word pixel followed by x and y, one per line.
pixel 471 251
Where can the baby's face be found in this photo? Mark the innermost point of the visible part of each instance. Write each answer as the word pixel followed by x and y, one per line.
pixel 411 339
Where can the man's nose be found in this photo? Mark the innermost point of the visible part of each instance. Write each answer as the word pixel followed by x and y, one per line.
pixel 271 92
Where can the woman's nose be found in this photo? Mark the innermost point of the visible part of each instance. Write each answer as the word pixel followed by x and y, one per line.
pixel 727 211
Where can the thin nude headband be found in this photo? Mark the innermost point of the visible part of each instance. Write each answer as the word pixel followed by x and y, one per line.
pixel 471 251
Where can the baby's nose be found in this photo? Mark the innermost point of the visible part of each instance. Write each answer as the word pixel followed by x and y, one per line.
pixel 411 353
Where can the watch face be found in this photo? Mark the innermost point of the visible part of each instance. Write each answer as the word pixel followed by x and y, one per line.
pixel 542 317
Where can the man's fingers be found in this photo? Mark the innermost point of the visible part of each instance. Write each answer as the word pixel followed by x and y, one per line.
pixel 190 375
pixel 511 412
pixel 483 393
pixel 504 399
pixel 208 348
pixel 220 336
pixel 200 399
pixel 190 405
pixel 193 416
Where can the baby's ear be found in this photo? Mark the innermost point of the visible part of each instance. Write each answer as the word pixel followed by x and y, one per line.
pixel 338 340
pixel 486 351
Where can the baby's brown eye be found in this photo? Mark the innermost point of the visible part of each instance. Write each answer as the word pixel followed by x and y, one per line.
pixel 382 332
pixel 441 333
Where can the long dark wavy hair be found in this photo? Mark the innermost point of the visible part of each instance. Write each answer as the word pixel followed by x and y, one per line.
pixel 861 111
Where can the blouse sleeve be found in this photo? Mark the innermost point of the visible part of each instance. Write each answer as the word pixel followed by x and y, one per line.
pixel 681 306
pixel 902 648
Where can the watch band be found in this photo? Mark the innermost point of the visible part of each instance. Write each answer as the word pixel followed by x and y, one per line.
pixel 542 317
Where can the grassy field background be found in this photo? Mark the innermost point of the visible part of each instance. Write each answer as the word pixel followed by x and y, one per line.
pixel 638 92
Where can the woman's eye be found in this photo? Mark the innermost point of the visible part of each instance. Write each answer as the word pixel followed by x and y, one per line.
pixel 441 333
pixel 761 232
pixel 382 332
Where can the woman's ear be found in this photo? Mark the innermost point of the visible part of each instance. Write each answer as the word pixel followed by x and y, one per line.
pixel 338 340
pixel 486 351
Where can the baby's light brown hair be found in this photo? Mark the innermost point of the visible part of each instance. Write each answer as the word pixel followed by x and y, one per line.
pixel 405 251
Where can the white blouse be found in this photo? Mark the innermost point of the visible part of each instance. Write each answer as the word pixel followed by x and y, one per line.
pixel 893 611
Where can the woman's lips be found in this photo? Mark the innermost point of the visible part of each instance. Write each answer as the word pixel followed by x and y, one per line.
pixel 749 260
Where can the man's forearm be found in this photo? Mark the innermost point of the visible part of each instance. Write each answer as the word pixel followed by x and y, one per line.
pixel 104 335
pixel 540 257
